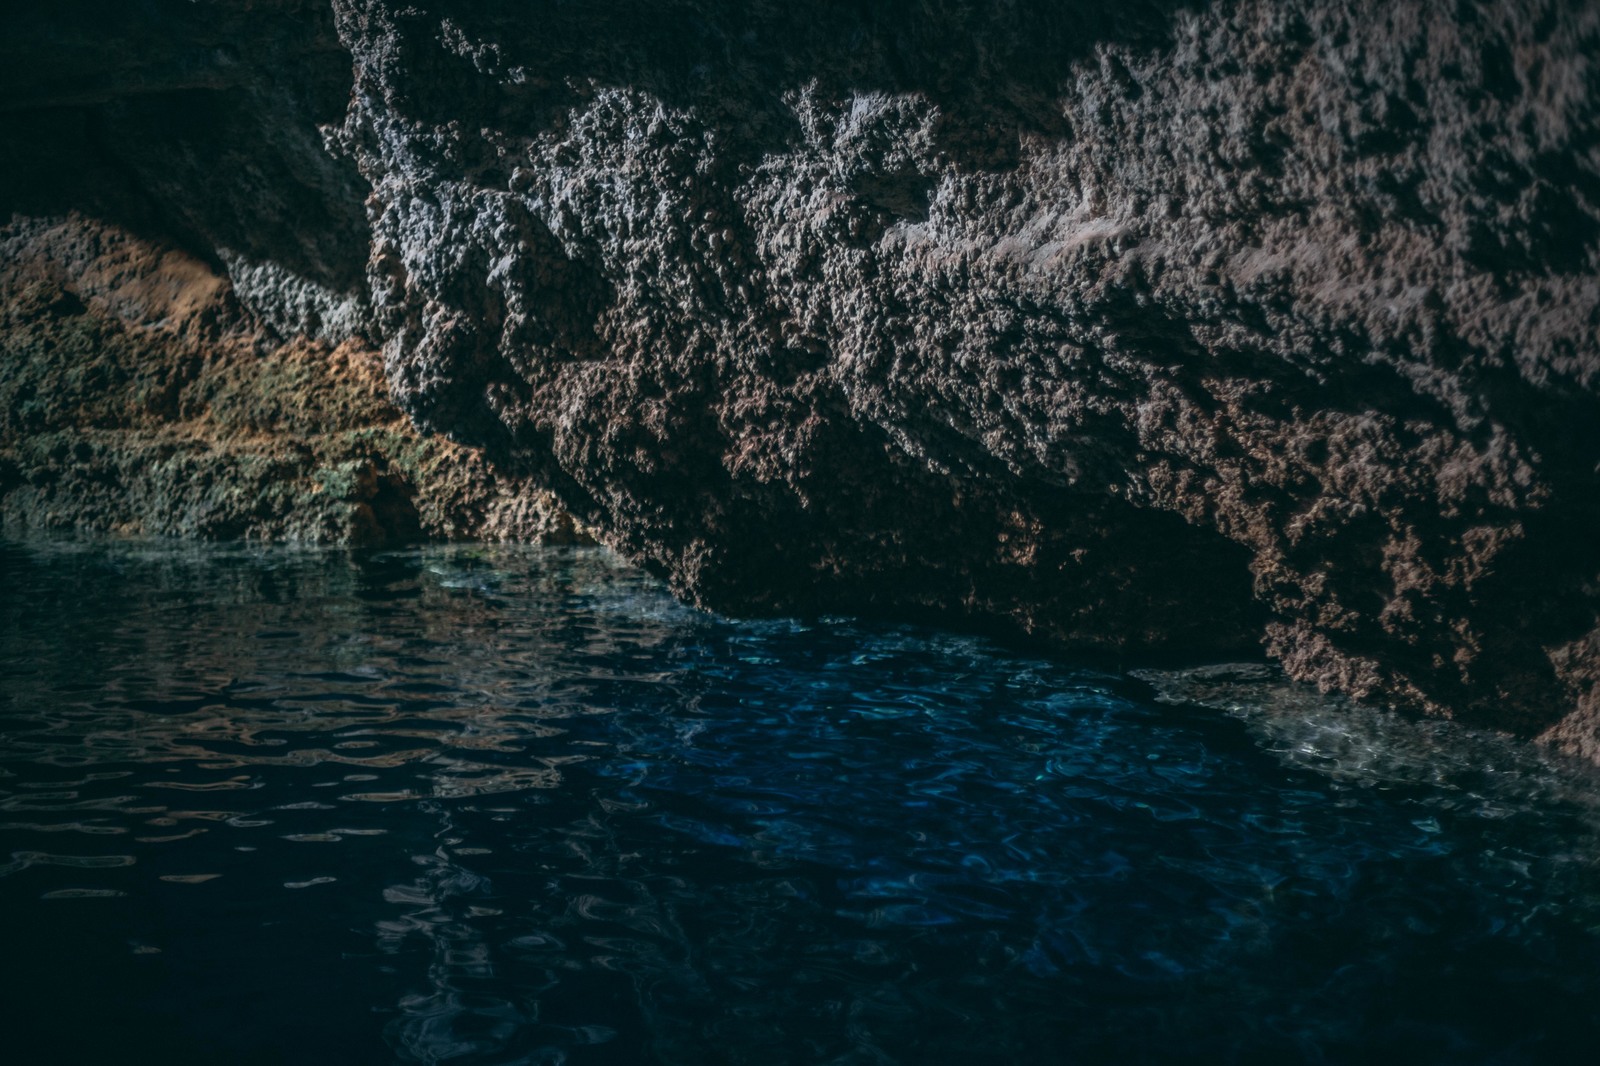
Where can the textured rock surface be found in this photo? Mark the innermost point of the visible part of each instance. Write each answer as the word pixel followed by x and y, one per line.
pixel 195 121
pixel 137 398
pixel 1145 326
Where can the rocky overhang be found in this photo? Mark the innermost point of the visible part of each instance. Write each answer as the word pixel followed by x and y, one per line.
pixel 1151 328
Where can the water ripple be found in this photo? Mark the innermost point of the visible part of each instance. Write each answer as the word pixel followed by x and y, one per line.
pixel 513 805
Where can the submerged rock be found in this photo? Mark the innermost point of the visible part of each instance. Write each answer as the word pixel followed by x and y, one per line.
pixel 1146 327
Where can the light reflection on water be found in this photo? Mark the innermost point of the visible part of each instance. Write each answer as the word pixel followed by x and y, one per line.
pixel 515 805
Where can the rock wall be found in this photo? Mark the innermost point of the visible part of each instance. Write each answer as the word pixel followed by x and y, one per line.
pixel 1153 327
pixel 138 398
pixel 185 341
pixel 196 122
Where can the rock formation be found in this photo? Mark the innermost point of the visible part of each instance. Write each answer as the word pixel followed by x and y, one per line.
pixel 1150 327
pixel 183 323
pixel 136 398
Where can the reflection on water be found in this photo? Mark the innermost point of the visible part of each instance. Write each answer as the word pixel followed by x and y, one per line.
pixel 516 806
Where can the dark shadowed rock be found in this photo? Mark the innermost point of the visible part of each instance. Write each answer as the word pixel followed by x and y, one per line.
pixel 1151 327
pixel 195 121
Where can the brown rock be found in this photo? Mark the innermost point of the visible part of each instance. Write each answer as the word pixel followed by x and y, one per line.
pixel 1148 327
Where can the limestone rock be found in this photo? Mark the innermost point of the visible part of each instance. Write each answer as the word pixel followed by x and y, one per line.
pixel 1149 327
pixel 138 398
pixel 1173 328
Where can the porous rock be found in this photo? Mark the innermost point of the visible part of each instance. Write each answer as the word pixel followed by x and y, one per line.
pixel 138 398
pixel 1149 327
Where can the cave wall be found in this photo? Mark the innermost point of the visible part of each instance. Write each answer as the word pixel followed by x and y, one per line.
pixel 139 398
pixel 1154 327
pixel 185 342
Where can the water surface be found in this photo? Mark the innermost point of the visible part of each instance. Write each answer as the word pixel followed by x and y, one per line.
pixel 516 806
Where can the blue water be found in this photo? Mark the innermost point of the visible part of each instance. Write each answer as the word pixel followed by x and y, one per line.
pixel 516 806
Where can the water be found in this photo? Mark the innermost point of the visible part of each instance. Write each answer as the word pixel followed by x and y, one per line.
pixel 516 806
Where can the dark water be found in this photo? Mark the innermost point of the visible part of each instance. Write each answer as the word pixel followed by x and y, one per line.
pixel 513 806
